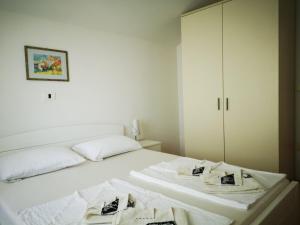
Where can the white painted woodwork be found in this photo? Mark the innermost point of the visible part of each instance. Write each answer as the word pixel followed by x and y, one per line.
pixel 243 51
pixel 202 84
pixel 251 76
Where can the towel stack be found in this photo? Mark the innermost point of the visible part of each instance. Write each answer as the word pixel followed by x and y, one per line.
pixel 220 178
pixel 123 210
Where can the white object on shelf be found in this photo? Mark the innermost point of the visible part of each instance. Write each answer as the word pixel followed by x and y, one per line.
pixel 136 130
pixel 151 145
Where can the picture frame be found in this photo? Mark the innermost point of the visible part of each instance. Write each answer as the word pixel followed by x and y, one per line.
pixel 46 64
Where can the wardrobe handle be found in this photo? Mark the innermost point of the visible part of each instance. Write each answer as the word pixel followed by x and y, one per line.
pixel 219 104
pixel 227 104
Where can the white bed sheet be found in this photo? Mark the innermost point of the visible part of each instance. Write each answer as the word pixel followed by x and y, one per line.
pixel 47 187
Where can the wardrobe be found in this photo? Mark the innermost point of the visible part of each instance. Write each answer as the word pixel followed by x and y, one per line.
pixel 238 69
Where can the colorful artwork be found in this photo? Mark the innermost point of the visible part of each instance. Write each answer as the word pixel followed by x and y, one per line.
pixel 46 64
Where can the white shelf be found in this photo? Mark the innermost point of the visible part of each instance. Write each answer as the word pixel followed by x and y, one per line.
pixel 151 144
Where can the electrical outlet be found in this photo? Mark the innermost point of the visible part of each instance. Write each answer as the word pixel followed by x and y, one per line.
pixel 50 96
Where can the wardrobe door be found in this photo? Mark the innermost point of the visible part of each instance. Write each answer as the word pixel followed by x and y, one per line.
pixel 250 45
pixel 202 83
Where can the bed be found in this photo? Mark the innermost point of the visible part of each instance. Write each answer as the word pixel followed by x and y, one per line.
pixel 280 205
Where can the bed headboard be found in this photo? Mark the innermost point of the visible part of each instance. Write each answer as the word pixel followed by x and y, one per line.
pixel 63 135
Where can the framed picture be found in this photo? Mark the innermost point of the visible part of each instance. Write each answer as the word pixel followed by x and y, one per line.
pixel 46 64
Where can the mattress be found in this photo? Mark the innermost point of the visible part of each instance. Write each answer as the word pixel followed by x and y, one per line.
pixel 43 188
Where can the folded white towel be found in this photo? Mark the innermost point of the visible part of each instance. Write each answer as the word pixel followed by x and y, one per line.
pixel 98 219
pixel 146 216
pixel 193 169
pixel 214 176
pixel 68 210
pixel 180 216
pixel 103 212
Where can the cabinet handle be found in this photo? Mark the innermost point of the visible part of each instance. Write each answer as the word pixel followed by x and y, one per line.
pixel 227 104
pixel 219 104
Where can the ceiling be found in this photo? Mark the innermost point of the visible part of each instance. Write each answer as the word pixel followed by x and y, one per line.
pixel 154 20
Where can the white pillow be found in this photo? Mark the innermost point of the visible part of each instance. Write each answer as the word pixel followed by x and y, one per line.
pixel 98 149
pixel 30 162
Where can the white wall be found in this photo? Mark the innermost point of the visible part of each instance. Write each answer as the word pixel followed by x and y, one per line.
pixel 113 78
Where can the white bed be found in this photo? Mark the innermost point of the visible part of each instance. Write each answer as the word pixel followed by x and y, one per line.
pixel 277 207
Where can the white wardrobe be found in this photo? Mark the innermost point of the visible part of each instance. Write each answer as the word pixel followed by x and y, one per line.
pixel 238 83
